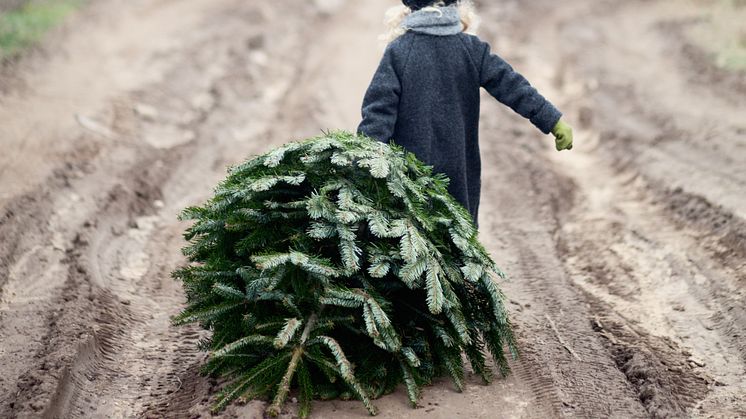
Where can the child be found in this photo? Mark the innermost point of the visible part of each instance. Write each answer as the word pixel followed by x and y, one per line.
pixel 425 94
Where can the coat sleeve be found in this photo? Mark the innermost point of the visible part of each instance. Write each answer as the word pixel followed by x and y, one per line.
pixel 512 89
pixel 381 103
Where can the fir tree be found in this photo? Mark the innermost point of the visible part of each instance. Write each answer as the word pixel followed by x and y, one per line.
pixel 341 267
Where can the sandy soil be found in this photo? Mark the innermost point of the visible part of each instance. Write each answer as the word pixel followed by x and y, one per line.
pixel 626 255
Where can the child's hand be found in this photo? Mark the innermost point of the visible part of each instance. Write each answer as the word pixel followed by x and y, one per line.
pixel 562 136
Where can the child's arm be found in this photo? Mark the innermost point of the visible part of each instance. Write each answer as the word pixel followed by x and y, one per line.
pixel 513 90
pixel 381 103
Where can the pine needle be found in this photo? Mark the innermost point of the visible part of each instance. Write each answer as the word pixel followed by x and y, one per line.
pixel 341 266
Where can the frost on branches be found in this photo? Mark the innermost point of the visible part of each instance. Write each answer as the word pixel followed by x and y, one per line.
pixel 341 267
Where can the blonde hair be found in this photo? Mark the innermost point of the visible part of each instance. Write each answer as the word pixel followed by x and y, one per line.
pixel 396 15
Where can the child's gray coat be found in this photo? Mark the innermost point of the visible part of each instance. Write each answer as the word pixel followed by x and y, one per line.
pixel 425 96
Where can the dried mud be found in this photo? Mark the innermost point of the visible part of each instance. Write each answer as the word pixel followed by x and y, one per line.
pixel 626 255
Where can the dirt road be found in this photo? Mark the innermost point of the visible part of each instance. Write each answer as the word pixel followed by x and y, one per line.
pixel 627 255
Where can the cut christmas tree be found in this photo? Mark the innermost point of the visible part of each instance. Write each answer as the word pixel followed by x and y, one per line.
pixel 340 267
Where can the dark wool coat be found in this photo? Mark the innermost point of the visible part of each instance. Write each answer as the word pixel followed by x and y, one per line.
pixel 425 97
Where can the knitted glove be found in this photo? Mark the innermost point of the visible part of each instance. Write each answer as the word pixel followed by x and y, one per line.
pixel 562 136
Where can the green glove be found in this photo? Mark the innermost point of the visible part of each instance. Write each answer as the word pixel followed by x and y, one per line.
pixel 562 136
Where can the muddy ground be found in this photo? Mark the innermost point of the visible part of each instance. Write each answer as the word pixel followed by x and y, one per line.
pixel 626 255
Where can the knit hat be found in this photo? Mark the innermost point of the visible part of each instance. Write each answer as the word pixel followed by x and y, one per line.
pixel 419 4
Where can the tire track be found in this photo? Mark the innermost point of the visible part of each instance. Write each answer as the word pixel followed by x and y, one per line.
pixel 523 199
pixel 143 353
pixel 583 240
pixel 670 306
pixel 95 326
pixel 659 264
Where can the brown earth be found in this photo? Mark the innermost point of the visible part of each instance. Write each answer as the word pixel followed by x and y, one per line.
pixel 626 255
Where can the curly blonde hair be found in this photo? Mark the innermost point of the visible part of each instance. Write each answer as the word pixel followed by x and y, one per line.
pixel 396 15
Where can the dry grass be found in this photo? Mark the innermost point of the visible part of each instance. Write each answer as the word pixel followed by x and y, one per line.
pixel 722 32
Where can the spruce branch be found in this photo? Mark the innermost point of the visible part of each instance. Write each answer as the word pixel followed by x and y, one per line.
pixel 341 266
